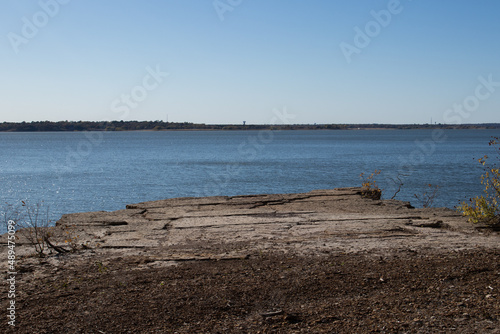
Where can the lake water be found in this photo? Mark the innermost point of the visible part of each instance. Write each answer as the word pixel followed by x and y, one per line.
pixel 92 171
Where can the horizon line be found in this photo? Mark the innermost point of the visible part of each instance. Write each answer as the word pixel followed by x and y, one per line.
pixel 243 123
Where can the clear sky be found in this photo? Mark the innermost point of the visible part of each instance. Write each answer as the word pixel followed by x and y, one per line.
pixel 228 61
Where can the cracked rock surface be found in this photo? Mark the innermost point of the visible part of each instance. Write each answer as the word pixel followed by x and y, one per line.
pixel 321 221
pixel 327 261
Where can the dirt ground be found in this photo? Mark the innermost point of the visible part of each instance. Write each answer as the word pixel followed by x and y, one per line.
pixel 404 292
pixel 327 261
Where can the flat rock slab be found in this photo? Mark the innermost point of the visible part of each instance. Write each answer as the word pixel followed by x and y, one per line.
pixel 223 227
pixel 318 222
pixel 261 261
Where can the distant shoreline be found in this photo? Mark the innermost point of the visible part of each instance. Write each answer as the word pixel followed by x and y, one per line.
pixel 67 126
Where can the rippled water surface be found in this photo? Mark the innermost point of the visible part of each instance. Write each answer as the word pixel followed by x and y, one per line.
pixel 74 172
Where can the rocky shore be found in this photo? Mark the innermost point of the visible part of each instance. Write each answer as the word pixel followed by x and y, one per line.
pixel 324 261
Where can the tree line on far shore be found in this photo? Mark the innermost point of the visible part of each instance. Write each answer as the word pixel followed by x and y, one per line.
pixel 39 126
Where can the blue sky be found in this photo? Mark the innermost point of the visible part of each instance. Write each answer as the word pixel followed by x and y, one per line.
pixel 240 60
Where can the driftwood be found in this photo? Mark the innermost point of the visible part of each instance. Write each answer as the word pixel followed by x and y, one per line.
pixel 54 247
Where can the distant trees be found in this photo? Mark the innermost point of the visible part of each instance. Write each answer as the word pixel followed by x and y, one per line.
pixel 160 125
pixel 92 126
